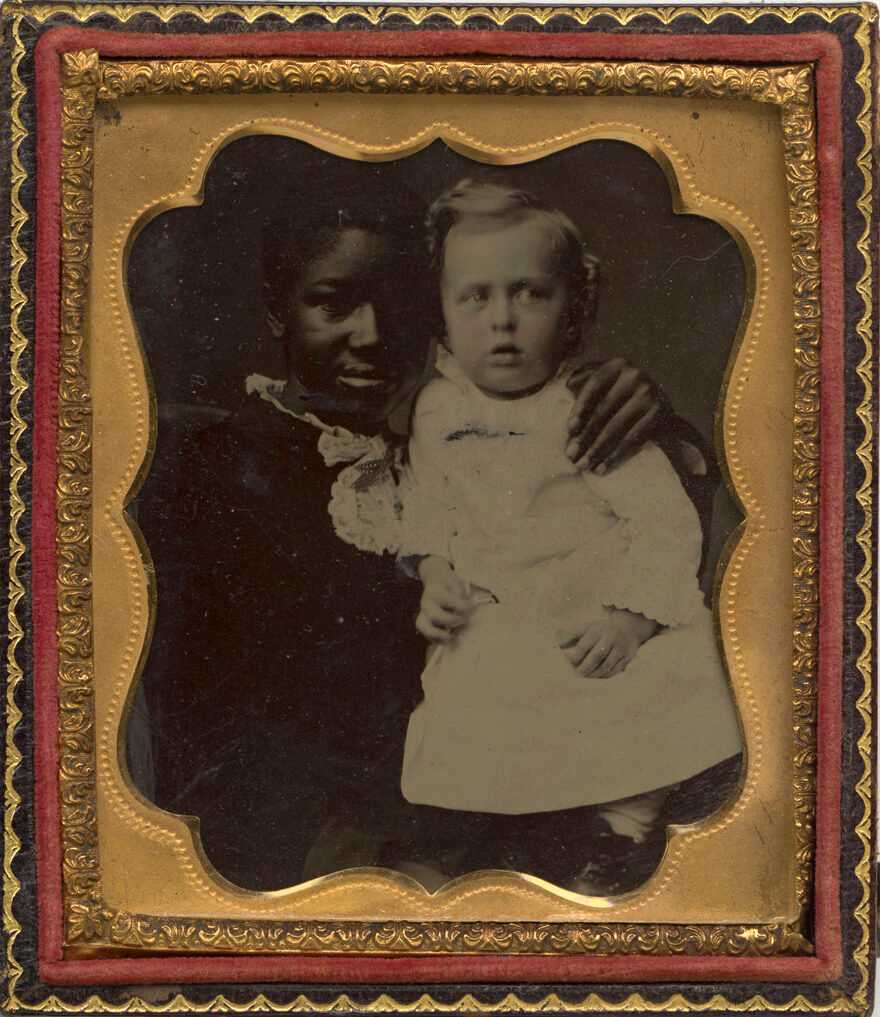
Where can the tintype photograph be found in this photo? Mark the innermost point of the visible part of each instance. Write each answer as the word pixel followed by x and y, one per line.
pixel 441 482
pixel 436 514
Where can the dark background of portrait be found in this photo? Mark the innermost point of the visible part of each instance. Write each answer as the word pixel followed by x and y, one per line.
pixel 671 298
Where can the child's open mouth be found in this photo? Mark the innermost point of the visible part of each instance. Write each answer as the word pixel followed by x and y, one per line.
pixel 505 356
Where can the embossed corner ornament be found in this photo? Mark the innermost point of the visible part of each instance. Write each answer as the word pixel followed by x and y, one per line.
pixel 88 921
pixel 80 70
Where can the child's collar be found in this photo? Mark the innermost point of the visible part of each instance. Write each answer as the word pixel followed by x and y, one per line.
pixel 449 367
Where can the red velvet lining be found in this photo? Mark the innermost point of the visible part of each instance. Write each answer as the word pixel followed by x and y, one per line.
pixel 45 642
pixel 824 50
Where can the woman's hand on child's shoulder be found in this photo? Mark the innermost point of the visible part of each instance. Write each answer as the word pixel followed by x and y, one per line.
pixel 617 408
pixel 446 600
pixel 606 646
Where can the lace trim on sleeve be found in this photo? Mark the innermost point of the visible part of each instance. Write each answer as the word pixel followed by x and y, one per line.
pixel 654 586
pixel 365 504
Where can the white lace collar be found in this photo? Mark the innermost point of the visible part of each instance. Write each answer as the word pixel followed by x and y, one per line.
pixel 336 444
pixel 363 504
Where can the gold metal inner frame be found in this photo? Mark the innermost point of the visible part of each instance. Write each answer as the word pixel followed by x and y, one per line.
pixel 736 883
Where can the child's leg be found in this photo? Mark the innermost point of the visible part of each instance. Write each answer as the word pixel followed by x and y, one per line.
pixel 630 834
pixel 635 817
pixel 628 841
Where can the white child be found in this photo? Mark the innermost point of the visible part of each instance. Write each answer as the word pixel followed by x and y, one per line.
pixel 540 579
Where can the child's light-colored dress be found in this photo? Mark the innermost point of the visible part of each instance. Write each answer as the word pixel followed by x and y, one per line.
pixel 507 725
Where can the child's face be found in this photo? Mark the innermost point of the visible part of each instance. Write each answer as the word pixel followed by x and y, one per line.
pixel 505 303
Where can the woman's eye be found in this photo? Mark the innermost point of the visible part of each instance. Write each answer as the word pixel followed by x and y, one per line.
pixel 476 297
pixel 334 306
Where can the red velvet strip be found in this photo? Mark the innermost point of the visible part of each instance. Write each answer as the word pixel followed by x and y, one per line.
pixel 45 642
pixel 420 970
pixel 829 731
pixel 820 48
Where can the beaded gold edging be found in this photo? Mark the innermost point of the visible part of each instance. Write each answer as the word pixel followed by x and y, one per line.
pixel 385 1003
pixel 457 15
pixel 553 1003
pixel 696 202
pixel 18 218
pixel 788 87
pixel 864 497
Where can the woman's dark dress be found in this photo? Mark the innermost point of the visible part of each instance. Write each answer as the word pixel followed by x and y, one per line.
pixel 284 663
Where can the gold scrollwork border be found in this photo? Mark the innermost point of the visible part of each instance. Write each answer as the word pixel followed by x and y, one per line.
pixel 88 920
pixel 788 87
pixel 143 932
pixel 82 12
pixel 79 825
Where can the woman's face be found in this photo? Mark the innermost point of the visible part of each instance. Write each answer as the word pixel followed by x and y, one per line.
pixel 355 340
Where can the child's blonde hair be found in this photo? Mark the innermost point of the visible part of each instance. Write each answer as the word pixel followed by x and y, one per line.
pixel 498 204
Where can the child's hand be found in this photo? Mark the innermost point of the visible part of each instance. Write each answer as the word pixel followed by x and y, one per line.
pixel 605 647
pixel 446 600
